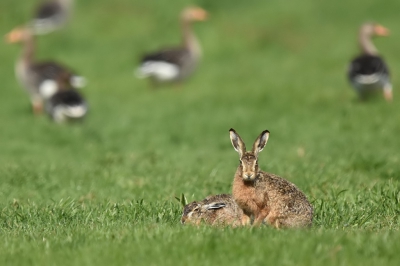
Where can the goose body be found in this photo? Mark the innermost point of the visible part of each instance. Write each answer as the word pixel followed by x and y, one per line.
pixel 51 15
pixel 62 101
pixel 368 72
pixel 175 64
pixel 167 65
pixel 38 78
pixel 66 105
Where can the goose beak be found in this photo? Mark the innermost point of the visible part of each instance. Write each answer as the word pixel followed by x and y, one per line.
pixel 381 31
pixel 13 36
pixel 200 14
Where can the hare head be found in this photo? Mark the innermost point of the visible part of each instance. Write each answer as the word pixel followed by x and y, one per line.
pixel 248 159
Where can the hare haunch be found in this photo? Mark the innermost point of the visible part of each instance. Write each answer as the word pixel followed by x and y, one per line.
pixel 267 197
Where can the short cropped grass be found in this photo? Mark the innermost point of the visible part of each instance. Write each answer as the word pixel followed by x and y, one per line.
pixel 103 192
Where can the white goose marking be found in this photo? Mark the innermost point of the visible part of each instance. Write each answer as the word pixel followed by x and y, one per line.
pixel 43 26
pixel 62 112
pixel 78 82
pixel 75 111
pixel 367 79
pixel 162 71
pixel 48 88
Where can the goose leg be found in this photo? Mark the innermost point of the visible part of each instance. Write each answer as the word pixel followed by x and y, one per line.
pixel 37 106
pixel 388 92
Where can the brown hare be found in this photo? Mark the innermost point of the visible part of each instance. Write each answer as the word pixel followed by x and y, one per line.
pixel 214 210
pixel 267 197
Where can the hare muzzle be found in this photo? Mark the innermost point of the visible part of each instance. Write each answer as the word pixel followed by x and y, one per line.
pixel 248 177
pixel 183 220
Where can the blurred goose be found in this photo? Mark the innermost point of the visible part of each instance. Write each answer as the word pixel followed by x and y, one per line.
pixel 38 77
pixel 63 102
pixel 66 105
pixel 51 15
pixel 368 72
pixel 177 63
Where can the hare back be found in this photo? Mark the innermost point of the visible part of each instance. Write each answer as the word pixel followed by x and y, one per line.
pixel 215 210
pixel 231 208
pixel 284 198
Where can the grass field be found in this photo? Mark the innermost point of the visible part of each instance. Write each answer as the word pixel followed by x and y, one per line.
pixel 102 192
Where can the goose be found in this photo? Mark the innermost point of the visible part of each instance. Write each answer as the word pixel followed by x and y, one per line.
pixel 51 15
pixel 63 102
pixel 66 105
pixel 37 78
pixel 175 64
pixel 368 72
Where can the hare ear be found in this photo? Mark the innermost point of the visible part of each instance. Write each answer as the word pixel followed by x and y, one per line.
pixel 260 142
pixel 215 205
pixel 237 142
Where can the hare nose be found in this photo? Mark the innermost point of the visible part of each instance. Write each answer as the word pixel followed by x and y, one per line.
pixel 183 220
pixel 248 176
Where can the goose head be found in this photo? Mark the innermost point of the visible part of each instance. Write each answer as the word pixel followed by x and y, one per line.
pixel 194 14
pixel 18 35
pixel 372 29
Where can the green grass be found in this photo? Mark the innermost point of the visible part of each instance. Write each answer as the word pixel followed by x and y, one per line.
pixel 102 192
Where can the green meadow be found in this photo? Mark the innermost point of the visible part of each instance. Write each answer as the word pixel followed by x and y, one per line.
pixel 103 192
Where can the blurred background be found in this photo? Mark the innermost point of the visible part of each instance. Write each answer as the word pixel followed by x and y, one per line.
pixel 277 65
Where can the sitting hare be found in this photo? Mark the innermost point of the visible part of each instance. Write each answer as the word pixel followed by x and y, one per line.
pixel 267 197
pixel 214 210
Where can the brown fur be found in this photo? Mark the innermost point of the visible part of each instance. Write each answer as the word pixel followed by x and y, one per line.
pixel 230 214
pixel 267 197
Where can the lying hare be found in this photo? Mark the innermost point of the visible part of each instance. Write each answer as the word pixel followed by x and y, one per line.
pixel 215 210
pixel 267 197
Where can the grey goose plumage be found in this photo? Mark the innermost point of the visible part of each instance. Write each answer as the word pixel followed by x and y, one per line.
pixel 39 78
pixel 66 105
pixel 368 72
pixel 51 15
pixel 177 63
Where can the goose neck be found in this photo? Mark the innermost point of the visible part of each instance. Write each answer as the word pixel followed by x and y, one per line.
pixel 28 51
pixel 366 44
pixel 189 40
